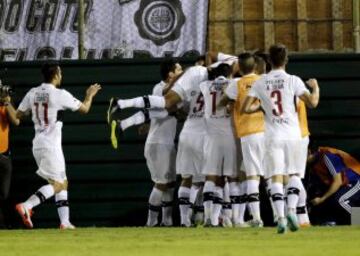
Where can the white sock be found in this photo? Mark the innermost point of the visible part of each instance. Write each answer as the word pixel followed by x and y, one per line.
pixel 293 189
pixel 184 204
pixel 158 113
pixel 227 202
pixel 302 212
pixel 44 193
pixel 253 198
pixel 135 119
pixel 234 188
pixel 277 193
pixel 268 190
pixel 154 206
pixel 209 189
pixel 167 207
pixel 243 201
pixel 62 203
pixel 140 102
pixel 217 205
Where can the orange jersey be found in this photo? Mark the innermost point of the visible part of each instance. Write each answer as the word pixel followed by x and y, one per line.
pixel 4 130
pixel 301 109
pixel 246 124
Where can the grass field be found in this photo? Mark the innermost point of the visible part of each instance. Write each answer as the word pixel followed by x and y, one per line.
pixel 329 241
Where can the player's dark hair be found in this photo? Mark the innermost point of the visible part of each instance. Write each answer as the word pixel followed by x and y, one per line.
pixel 261 57
pixel 246 63
pixel 278 55
pixel 167 66
pixel 49 70
pixel 223 70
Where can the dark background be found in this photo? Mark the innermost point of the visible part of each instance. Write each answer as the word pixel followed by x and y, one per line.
pixel 110 188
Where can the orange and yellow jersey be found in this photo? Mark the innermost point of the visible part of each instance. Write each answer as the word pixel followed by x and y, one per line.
pixel 4 130
pixel 302 114
pixel 245 124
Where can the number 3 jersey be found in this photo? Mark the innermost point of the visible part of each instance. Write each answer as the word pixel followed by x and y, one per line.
pixel 277 92
pixel 44 102
pixel 218 121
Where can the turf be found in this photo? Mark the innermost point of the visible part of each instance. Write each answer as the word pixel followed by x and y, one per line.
pixel 318 241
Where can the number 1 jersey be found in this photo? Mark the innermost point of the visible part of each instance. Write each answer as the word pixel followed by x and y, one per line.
pixel 218 121
pixel 44 102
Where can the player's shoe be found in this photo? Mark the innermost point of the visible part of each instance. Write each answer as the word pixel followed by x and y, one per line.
pixel 256 223
pixel 226 222
pixel 25 215
pixel 305 225
pixel 112 109
pixel 67 226
pixel 115 132
pixel 281 226
pixel 292 222
pixel 242 225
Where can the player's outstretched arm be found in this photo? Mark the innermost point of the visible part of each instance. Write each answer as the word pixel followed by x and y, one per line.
pixel 312 100
pixel 90 94
pixel 335 186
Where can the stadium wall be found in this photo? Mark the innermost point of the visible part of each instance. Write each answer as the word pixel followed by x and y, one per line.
pixel 110 188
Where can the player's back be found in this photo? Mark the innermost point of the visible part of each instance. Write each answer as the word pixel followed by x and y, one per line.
pixel 195 122
pixel 277 91
pixel 45 102
pixel 218 121
pixel 163 130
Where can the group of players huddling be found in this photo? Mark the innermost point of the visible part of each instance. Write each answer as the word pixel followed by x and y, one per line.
pixel 237 129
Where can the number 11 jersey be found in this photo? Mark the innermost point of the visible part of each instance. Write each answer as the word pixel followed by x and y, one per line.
pixel 44 102
pixel 277 92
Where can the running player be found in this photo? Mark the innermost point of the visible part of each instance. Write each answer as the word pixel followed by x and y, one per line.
pixel 44 103
pixel 276 92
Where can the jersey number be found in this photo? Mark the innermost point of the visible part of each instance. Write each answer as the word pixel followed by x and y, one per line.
pixel 45 107
pixel 199 104
pixel 276 95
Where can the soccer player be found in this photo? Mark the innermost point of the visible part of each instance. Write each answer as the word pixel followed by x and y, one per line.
pixel 220 149
pixel 276 92
pixel 250 132
pixel 160 154
pixel 189 159
pixel 301 210
pixel 44 103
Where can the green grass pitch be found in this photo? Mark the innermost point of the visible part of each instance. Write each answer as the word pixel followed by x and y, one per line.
pixel 329 241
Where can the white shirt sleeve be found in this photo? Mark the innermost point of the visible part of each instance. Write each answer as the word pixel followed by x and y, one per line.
pixel 299 86
pixel 254 90
pixel 158 90
pixel 191 78
pixel 25 103
pixel 232 90
pixel 67 101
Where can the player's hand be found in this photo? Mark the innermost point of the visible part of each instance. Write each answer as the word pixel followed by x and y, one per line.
pixel 312 83
pixel 93 90
pixel 317 201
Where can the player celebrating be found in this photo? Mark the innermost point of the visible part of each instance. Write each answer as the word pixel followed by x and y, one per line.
pixel 220 148
pixel 45 102
pixel 250 130
pixel 276 92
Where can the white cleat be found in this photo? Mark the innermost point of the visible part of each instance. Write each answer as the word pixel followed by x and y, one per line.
pixel 67 226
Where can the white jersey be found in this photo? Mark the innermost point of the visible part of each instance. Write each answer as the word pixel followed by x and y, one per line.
pixel 186 86
pixel 218 121
pixel 195 122
pixel 44 102
pixel 277 92
pixel 162 131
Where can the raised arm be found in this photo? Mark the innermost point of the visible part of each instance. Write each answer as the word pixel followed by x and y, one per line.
pixel 90 94
pixel 311 99
pixel 11 112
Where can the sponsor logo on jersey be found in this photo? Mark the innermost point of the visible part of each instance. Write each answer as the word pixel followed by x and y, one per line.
pixel 160 20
